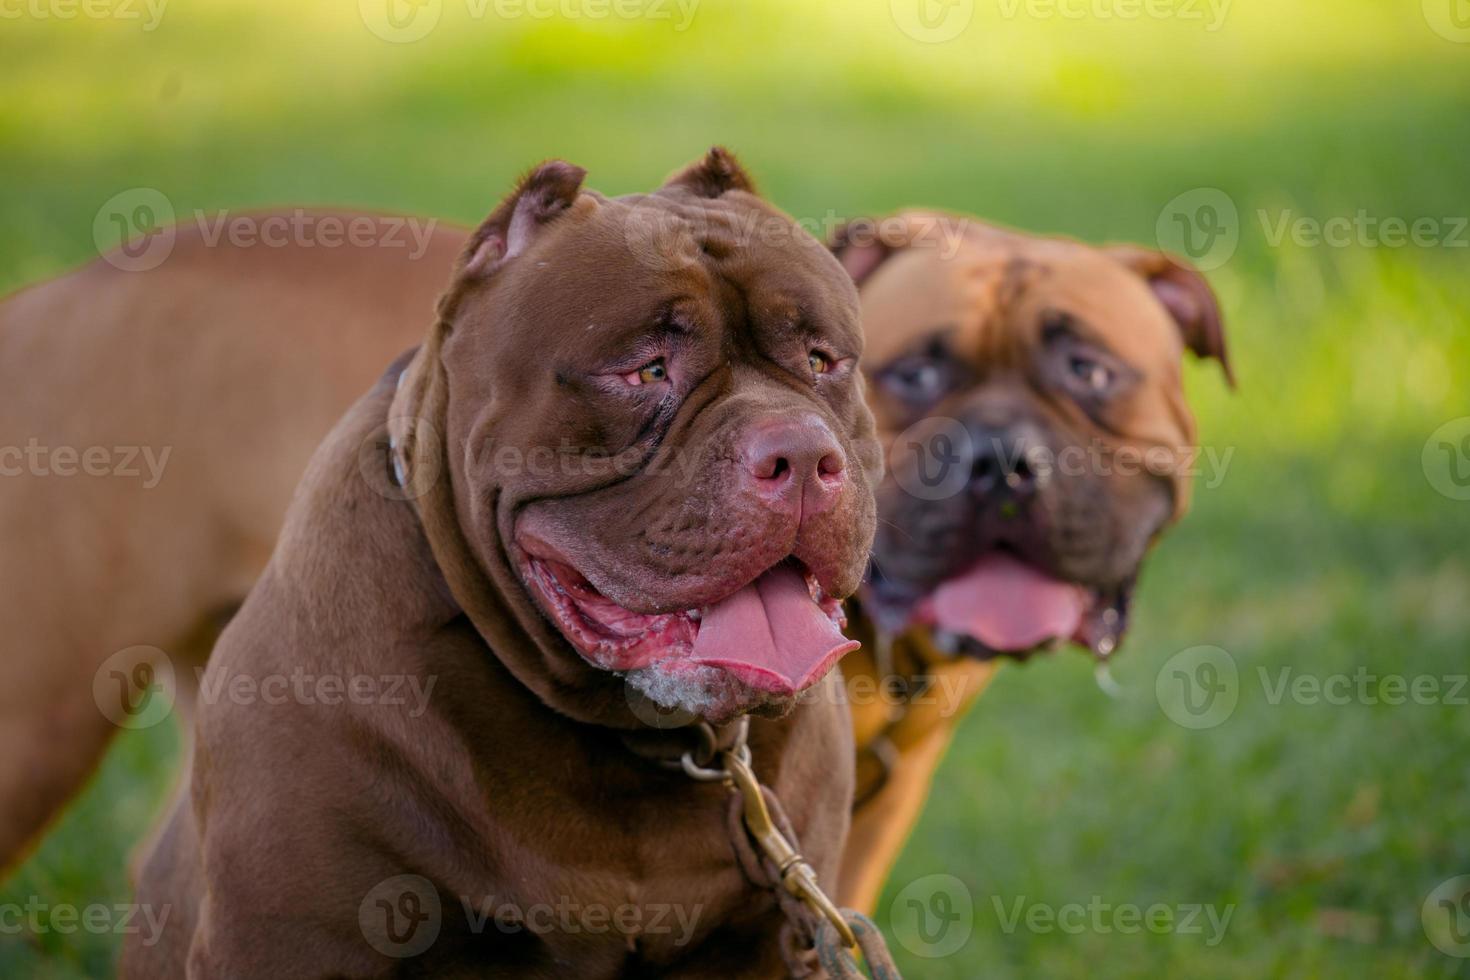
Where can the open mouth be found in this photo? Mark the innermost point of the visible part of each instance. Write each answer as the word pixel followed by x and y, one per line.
pixel 1004 606
pixel 777 634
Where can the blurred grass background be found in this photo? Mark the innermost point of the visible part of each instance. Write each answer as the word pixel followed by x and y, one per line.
pixel 1325 548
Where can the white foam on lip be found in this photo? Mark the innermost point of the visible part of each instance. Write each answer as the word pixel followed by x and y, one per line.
pixel 710 693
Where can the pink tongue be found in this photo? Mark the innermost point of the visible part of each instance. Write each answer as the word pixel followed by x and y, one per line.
pixel 771 634
pixel 1008 605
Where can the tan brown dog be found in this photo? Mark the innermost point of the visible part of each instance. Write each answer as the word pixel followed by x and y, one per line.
pixel 199 389
pixel 277 341
pixel 1030 392
pixel 620 468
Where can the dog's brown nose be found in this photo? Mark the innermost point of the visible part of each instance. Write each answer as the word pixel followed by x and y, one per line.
pixel 795 464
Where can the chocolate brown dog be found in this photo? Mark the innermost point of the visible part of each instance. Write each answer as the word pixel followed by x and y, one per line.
pixel 1029 390
pixel 620 468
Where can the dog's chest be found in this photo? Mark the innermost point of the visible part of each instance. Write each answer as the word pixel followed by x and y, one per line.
pixel 615 873
pixel 580 851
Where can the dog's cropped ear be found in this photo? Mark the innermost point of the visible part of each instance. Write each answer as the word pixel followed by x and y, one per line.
pixel 1187 296
pixel 542 194
pixel 712 175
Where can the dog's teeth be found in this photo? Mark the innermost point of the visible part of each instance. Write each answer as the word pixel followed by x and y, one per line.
pixel 693 614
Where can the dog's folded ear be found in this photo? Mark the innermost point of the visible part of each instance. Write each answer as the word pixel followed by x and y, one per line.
pixel 1187 296
pixel 712 175
pixel 861 247
pixel 542 194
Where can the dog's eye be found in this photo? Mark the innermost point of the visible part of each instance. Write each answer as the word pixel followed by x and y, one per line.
pixel 651 373
pixel 820 363
pixel 917 380
pixel 1097 377
pixel 920 377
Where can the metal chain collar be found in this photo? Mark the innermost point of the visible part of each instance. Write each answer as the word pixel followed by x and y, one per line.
pixel 840 932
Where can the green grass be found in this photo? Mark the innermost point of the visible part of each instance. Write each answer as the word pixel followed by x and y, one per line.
pixel 1324 549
